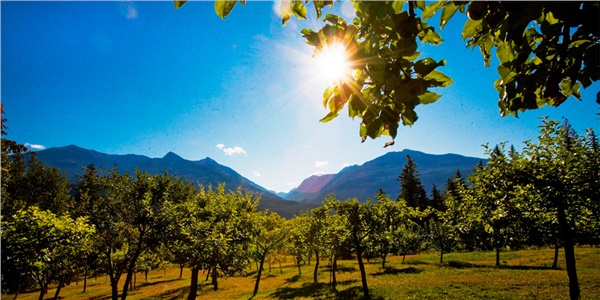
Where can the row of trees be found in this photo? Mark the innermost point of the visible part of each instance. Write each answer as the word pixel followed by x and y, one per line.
pixel 120 224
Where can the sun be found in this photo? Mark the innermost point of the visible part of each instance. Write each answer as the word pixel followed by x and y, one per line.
pixel 333 63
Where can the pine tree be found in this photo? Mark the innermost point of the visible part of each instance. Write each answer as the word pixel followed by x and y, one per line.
pixel 411 188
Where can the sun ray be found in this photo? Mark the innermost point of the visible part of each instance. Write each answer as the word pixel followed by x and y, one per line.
pixel 333 63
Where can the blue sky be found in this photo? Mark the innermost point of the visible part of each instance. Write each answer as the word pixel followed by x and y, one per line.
pixel 143 78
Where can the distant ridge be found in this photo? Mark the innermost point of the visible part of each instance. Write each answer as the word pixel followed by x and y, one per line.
pixel 363 182
pixel 71 159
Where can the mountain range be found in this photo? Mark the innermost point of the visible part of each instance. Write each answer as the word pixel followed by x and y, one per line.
pixel 71 159
pixel 361 182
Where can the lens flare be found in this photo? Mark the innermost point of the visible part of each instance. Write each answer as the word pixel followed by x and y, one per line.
pixel 333 63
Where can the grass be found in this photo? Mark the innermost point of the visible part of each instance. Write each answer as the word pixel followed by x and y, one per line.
pixel 524 274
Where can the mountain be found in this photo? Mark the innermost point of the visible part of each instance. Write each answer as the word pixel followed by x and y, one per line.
pixel 71 159
pixel 310 187
pixel 364 181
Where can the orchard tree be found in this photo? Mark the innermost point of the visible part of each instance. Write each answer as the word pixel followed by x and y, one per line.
pixel 546 51
pixel 297 242
pixel 39 244
pixel 270 233
pixel 562 170
pixel 493 201
pixel 213 230
pixel 361 225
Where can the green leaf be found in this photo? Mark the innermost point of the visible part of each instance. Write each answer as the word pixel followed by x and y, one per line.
pixel 312 38
pixel 568 88
pixel 298 9
pixel 224 7
pixel 447 12
pixel 397 6
pixel 409 117
pixel 431 9
pixel 429 97
pixel 319 6
pixel 471 28
pixel 179 3
pixel 374 128
pixel 506 74
pixel 420 4
pixel 425 66
pixel 439 78
pixel 430 36
pixel 505 53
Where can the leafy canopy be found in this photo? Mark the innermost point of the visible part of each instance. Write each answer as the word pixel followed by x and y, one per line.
pixel 546 51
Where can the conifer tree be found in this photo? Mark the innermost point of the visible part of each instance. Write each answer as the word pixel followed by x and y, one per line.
pixel 411 188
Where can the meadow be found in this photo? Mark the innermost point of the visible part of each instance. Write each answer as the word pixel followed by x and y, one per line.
pixel 525 274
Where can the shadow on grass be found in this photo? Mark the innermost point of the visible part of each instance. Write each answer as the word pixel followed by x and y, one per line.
pixel 320 290
pixel 143 284
pixel 466 265
pixel 394 271
pixel 345 270
pixel 249 274
pixel 415 262
pixel 180 293
pixel 293 279
pixel 102 297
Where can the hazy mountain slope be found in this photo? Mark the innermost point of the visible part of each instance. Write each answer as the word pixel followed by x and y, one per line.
pixel 71 160
pixel 364 181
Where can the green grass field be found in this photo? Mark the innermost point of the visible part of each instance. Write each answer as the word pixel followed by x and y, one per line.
pixel 524 275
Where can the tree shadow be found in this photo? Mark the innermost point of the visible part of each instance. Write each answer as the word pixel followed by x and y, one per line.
pixel 415 262
pixel 144 284
pixel 320 290
pixel 467 265
pixel 464 265
pixel 345 269
pixel 293 279
pixel 179 293
pixel 528 268
pixel 102 297
pixel 394 271
pixel 306 290
pixel 252 273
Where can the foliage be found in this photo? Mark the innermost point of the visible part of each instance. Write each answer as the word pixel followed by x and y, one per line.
pixel 42 245
pixel 545 51
pixel 411 188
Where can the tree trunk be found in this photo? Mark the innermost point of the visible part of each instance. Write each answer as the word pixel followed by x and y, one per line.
pixel 85 274
pixel 383 261
pixel 333 269
pixel 280 270
pixel 316 267
pixel 18 291
pixel 441 256
pixel 43 287
pixel 60 284
pixel 136 254
pixel 555 263
pixel 403 257
pixel 363 274
pixel 262 261
pixel 193 284
pixel 207 275
pixel 298 265
pixel 569 246
pixel 180 271
pixel 146 275
pixel 215 275
pixel 114 278
pixel 497 256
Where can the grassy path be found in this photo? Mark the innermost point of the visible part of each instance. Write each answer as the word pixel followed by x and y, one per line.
pixel 524 275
